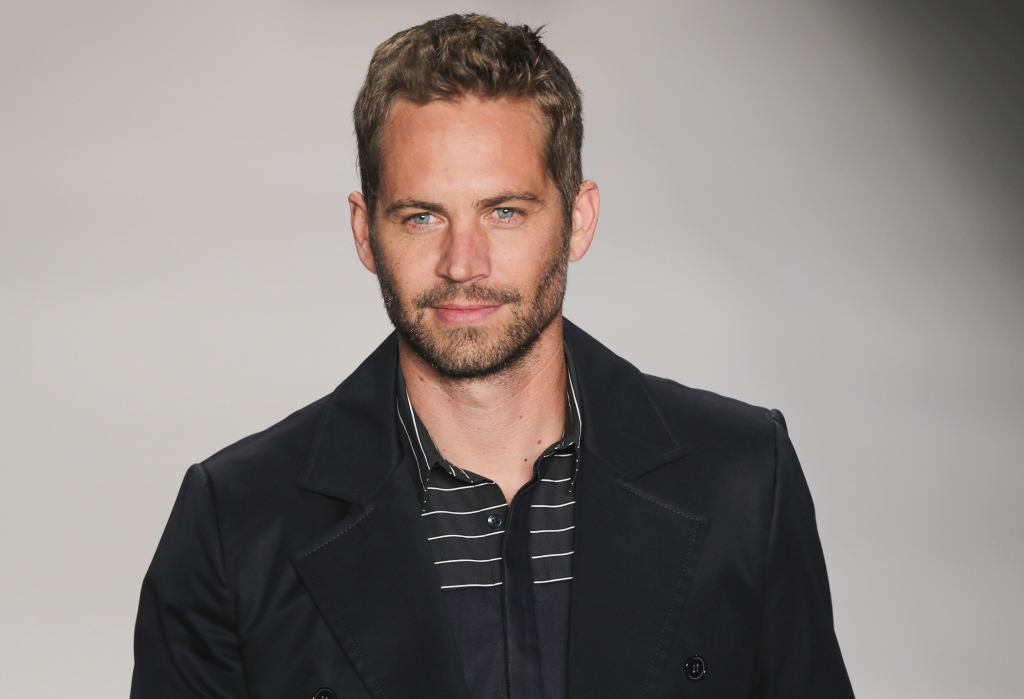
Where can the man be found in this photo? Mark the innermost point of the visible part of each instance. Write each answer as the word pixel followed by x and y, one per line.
pixel 493 504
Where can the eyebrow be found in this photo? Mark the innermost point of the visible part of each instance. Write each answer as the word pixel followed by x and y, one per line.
pixel 510 196
pixel 514 195
pixel 407 203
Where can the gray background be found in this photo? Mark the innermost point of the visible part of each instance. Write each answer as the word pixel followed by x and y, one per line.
pixel 815 206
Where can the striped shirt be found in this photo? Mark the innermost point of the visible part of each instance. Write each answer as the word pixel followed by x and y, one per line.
pixel 505 570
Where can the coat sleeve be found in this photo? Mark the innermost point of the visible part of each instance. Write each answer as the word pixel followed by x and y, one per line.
pixel 186 645
pixel 798 654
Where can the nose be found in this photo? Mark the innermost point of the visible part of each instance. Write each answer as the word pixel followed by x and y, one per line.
pixel 465 252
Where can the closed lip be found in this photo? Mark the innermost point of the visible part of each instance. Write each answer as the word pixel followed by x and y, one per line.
pixel 465 313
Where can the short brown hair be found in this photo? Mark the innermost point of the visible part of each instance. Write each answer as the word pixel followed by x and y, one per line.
pixel 471 54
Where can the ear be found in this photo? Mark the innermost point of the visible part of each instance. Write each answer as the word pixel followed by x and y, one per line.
pixel 359 216
pixel 584 219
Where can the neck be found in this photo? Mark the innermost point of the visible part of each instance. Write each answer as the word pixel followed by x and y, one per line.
pixel 495 426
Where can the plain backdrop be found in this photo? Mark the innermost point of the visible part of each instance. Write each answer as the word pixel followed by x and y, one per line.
pixel 811 206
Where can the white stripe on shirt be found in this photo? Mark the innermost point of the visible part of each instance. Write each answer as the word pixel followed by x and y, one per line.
pixel 473 512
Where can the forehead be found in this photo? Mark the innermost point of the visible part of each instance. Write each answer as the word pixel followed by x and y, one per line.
pixel 466 142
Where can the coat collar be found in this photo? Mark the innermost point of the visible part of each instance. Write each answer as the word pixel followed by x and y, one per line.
pixel 624 427
pixel 357 446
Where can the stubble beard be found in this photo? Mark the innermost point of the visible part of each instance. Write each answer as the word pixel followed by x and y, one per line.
pixel 475 352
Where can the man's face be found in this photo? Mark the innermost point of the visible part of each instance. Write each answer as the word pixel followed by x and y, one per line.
pixel 468 241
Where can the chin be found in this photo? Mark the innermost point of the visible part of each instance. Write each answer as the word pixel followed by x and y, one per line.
pixel 475 350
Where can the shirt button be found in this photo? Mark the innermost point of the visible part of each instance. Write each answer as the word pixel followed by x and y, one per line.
pixel 694 667
pixel 494 521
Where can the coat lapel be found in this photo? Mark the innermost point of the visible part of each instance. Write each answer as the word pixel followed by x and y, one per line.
pixel 372 574
pixel 635 551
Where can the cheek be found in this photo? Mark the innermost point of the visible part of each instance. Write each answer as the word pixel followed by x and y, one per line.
pixel 527 261
pixel 410 267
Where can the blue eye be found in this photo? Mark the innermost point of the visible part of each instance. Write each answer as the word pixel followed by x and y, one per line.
pixel 505 214
pixel 420 219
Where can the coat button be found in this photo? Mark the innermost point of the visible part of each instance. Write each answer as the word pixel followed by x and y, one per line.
pixel 695 668
pixel 325 693
pixel 493 521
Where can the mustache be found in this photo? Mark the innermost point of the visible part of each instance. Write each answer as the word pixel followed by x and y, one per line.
pixel 479 293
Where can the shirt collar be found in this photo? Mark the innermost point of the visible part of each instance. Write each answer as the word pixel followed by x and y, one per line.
pixel 426 456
